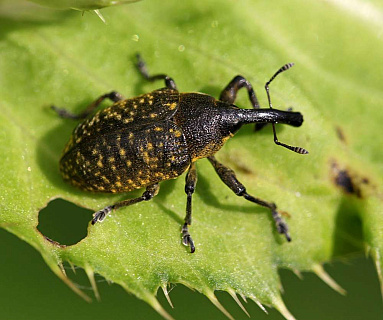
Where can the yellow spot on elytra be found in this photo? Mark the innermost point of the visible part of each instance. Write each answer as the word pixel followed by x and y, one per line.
pixel 149 146
pixel 106 180
pixel 99 164
pixel 118 184
pixel 150 102
pixel 127 120
pixel 128 163
pixel 173 105
pixel 158 129
pixel 113 167
pixel 146 157
pixel 142 100
pixel 153 115
pixel 177 133
pixel 131 135
pixel 122 152
pixel 111 159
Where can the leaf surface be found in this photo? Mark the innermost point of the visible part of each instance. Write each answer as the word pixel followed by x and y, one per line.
pixel 332 196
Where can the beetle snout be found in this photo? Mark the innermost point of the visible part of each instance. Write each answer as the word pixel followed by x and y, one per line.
pixel 295 119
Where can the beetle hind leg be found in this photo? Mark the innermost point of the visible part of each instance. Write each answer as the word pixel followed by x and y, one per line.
pixel 64 113
pixel 190 183
pixel 228 177
pixel 148 194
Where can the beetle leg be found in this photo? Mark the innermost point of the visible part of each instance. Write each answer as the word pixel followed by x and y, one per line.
pixel 229 94
pixel 63 113
pixel 190 183
pixel 141 66
pixel 149 193
pixel 228 177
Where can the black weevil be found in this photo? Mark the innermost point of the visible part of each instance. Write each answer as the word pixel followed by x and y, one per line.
pixel 157 136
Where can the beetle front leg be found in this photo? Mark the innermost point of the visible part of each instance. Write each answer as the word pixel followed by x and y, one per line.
pixel 63 113
pixel 149 193
pixel 141 66
pixel 190 183
pixel 229 94
pixel 228 177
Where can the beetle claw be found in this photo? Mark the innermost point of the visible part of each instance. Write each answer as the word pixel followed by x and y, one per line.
pixel 283 229
pixel 101 214
pixel 187 239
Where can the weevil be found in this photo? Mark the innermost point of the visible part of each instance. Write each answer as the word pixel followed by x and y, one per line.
pixel 141 141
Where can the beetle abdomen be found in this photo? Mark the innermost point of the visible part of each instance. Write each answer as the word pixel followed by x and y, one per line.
pixel 127 159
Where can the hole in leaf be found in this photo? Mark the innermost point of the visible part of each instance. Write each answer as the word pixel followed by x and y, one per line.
pixel 64 222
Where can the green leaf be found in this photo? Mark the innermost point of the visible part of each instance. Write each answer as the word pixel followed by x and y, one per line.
pixel 333 195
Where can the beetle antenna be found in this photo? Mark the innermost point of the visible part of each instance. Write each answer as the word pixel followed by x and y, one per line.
pixel 295 149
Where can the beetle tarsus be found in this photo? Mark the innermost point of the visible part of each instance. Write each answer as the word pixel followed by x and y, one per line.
pixel 187 239
pixel 101 214
pixel 63 113
pixel 282 227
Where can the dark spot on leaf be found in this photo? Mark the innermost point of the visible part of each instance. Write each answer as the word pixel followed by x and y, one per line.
pixel 240 167
pixel 343 179
pixel 63 223
pixel 235 163
pixel 347 180
pixel 285 214
pixel 340 134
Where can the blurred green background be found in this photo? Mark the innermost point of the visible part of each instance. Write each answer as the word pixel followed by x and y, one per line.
pixel 29 290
